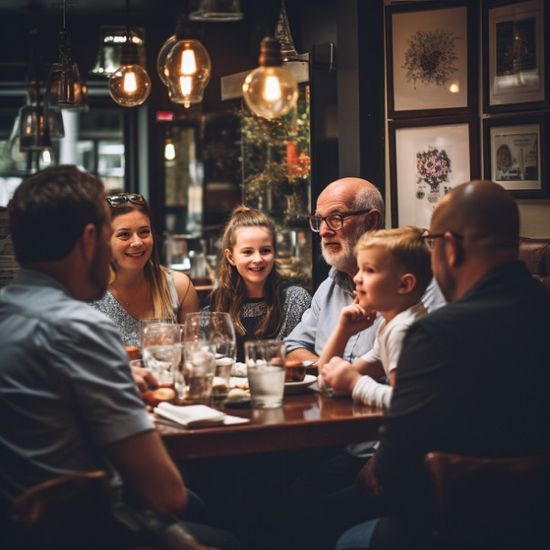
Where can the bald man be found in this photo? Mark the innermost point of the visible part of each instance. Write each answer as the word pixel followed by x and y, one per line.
pixel 474 377
pixel 346 208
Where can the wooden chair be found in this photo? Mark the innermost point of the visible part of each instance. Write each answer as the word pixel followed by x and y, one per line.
pixel 71 511
pixel 76 512
pixel 490 503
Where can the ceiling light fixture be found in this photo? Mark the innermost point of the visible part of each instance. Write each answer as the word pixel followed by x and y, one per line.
pixel 217 10
pixel 111 39
pixel 187 66
pixel 64 88
pixel 270 91
pixel 129 85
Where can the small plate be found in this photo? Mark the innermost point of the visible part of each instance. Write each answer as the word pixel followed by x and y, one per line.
pixel 298 387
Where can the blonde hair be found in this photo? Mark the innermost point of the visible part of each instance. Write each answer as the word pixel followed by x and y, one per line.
pixel 408 248
pixel 155 274
pixel 231 291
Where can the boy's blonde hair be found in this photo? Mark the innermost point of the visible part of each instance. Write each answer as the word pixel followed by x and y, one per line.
pixel 408 248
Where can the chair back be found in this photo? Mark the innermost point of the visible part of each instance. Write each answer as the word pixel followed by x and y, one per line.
pixel 71 511
pixel 480 501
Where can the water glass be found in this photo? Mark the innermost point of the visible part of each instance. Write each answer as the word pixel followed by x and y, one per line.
pixel 216 328
pixel 200 365
pixel 161 351
pixel 265 364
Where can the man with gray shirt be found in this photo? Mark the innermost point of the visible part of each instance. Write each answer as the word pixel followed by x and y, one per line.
pixel 68 402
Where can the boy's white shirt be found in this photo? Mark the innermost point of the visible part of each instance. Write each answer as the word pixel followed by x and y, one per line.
pixel 387 349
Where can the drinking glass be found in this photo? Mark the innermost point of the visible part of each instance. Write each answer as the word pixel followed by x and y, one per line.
pixel 200 365
pixel 215 328
pixel 265 366
pixel 161 350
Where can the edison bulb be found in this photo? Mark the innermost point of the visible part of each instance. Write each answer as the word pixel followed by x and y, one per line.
pixel 130 85
pixel 187 70
pixel 270 92
pixel 161 58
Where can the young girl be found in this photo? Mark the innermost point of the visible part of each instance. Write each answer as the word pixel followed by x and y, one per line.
pixel 140 288
pixel 261 304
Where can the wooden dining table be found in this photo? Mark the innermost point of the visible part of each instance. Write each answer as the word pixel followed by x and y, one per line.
pixel 307 420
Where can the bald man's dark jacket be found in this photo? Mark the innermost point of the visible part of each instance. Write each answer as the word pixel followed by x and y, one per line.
pixel 473 379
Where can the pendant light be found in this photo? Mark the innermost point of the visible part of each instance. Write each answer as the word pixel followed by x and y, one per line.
pixel 111 39
pixel 187 67
pixel 161 58
pixel 129 85
pixel 64 86
pixel 217 10
pixel 270 91
pixel 34 127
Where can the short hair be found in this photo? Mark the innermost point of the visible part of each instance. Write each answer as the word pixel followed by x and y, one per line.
pixel 49 211
pixel 368 198
pixel 408 248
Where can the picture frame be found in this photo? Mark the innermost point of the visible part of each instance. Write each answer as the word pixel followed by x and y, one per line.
pixel 515 77
pixel 428 159
pixel 513 154
pixel 423 81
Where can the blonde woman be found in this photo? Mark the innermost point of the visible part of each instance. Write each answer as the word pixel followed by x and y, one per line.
pixel 260 302
pixel 140 287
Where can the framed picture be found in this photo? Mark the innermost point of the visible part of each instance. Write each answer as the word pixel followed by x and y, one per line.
pixel 516 70
pixel 513 154
pixel 431 58
pixel 426 162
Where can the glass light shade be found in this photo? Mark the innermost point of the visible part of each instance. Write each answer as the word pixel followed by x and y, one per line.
pixel 187 70
pixel 217 10
pixel 33 132
pixel 111 39
pixel 64 86
pixel 270 92
pixel 56 128
pixel 130 85
pixel 161 58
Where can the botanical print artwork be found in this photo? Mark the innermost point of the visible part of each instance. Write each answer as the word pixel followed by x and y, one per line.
pixel 429 162
pixel 432 167
pixel 430 57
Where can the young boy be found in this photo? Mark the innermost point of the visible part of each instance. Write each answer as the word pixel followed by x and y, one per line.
pixel 394 271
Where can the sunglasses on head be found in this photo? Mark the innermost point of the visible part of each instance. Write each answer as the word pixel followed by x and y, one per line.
pixel 118 199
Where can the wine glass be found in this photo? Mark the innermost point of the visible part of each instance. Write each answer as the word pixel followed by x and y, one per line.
pixel 215 328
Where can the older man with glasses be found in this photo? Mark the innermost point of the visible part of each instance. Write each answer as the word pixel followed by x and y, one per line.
pixel 346 209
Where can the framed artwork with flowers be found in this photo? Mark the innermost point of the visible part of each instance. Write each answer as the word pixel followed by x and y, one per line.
pixel 514 153
pixel 427 159
pixel 515 52
pixel 431 58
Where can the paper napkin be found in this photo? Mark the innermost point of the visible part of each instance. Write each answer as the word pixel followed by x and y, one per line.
pixel 196 416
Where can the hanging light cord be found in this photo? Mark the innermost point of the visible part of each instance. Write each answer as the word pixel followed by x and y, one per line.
pixel 128 36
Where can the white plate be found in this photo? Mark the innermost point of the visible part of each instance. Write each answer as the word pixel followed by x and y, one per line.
pixel 298 387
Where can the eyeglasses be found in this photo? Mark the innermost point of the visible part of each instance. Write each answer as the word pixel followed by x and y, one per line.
pixel 429 238
pixel 119 199
pixel 334 221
